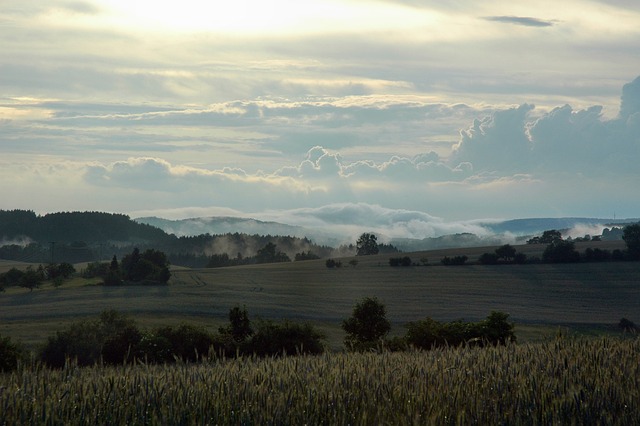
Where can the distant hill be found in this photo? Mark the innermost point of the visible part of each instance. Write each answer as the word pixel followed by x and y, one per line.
pixel 221 225
pixel 517 230
pixel 537 225
pixel 69 227
pixel 89 236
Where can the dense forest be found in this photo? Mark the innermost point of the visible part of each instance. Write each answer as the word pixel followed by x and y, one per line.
pixel 90 236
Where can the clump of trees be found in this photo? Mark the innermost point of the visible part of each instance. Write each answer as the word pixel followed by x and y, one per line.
pixel 454 261
pixel 10 354
pixel 114 338
pixel 631 236
pixel 31 277
pixel 505 254
pixel 368 327
pixel 429 333
pixel 306 256
pixel 400 261
pixel 547 237
pixel 140 268
pixel 332 263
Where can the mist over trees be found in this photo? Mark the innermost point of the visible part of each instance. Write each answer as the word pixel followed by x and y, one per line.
pixel 93 236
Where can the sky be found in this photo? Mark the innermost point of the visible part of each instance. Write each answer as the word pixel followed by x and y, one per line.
pixel 353 111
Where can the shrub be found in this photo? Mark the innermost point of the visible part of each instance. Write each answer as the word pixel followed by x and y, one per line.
pixel 488 259
pixel 496 329
pixel 520 258
pixel 306 256
pixel 95 269
pixel 12 277
pixel 167 344
pixel 429 333
pixel 80 342
pixel 10 354
pixel 367 325
pixel 627 326
pixel 400 261
pixel 506 252
pixel 113 337
pixel 561 252
pixel 455 261
pixel 286 338
pixel 596 255
pixel 330 263
pixel 617 254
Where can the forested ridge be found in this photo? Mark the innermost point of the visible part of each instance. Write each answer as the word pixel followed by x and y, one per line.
pixel 90 236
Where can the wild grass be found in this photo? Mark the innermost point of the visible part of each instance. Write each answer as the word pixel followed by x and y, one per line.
pixel 565 381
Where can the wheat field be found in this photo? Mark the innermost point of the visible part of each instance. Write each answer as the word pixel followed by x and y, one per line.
pixel 564 381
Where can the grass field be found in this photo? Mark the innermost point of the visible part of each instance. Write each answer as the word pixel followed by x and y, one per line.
pixel 539 297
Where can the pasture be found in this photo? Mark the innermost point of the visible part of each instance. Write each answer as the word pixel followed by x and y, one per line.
pixel 537 296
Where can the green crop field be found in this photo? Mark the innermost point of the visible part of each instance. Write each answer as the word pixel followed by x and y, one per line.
pixel 539 297
pixel 564 381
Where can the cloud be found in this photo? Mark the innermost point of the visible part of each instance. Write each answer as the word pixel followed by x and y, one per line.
pixel 496 142
pixel 351 219
pixel 630 101
pixel 561 140
pixel 520 20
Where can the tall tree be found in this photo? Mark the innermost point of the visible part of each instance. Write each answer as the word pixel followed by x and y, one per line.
pixel 367 325
pixel 631 236
pixel 367 244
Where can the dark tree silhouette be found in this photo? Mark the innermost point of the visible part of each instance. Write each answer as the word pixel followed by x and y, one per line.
pixel 367 244
pixel 366 326
pixel 631 236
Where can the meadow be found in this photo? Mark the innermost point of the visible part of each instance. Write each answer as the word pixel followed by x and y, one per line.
pixel 563 381
pixel 540 298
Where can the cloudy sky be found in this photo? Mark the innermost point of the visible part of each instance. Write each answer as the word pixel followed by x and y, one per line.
pixel 441 111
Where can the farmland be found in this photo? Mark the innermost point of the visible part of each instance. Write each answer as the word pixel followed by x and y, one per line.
pixel 564 381
pixel 556 378
pixel 580 295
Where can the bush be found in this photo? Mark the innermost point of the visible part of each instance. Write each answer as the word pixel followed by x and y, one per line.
pixel 618 255
pixel 496 329
pixel 400 261
pixel 520 258
pixel 168 344
pixel 10 354
pixel 95 269
pixel 455 261
pixel 306 256
pixel 286 338
pixel 80 342
pixel 506 252
pixel 330 263
pixel 428 333
pixel 12 277
pixel 113 337
pixel 627 326
pixel 488 259
pixel 596 255
pixel 561 252
pixel 367 326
